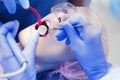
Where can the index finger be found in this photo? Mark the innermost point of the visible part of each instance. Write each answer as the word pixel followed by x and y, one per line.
pixel 24 3
pixel 10 5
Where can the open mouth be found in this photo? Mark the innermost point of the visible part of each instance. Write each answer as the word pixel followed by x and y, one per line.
pixel 43 28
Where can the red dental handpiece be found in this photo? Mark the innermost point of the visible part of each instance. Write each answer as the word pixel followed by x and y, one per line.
pixel 40 25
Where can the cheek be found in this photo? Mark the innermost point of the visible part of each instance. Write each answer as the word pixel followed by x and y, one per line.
pixel 49 47
pixel 24 36
pixel 51 51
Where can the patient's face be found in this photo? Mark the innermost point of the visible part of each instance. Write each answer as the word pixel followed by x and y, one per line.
pixel 49 50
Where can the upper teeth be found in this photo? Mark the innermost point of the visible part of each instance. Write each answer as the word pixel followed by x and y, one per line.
pixel 48 23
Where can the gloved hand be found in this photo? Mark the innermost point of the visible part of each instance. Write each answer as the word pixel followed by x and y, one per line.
pixel 7 59
pixel 86 45
pixel 11 5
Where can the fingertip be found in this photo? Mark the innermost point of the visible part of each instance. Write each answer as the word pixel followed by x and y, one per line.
pixel 67 42
pixel 60 35
pixel 16 22
pixel 10 6
pixel 25 4
pixel 12 11
pixel 59 39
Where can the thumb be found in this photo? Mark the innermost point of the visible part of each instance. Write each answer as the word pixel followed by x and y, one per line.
pixel 32 44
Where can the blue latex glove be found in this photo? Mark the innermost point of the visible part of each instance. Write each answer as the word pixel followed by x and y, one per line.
pixel 11 5
pixel 114 6
pixel 86 45
pixel 7 58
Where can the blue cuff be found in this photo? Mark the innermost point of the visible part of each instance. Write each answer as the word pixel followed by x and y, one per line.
pixel 95 72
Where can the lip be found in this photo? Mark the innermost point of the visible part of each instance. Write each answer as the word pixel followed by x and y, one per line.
pixel 44 25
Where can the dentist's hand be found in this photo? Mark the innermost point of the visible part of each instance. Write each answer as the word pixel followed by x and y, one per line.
pixel 7 59
pixel 86 45
pixel 11 5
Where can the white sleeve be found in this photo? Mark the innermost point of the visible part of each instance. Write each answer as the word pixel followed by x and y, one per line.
pixel 113 74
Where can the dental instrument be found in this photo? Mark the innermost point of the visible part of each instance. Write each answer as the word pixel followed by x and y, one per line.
pixel 17 52
pixel 18 55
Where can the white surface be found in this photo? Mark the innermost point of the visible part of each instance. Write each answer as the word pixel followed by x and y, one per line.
pixel 100 7
pixel 114 74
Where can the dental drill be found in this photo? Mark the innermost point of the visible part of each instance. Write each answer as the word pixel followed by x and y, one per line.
pixel 18 55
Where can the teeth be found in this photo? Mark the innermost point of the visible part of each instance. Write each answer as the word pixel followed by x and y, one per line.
pixel 42 30
pixel 48 23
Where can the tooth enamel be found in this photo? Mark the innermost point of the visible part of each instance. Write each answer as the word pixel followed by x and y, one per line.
pixel 42 29
pixel 48 23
